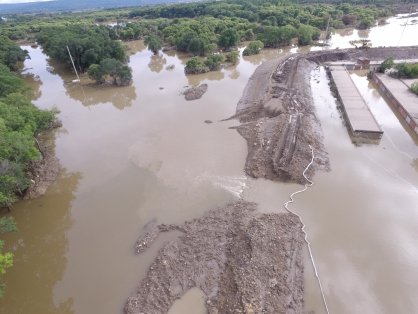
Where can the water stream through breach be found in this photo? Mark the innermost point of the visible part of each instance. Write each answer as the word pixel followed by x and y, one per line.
pixel 142 153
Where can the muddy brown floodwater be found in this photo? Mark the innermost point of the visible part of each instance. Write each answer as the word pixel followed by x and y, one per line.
pixel 143 153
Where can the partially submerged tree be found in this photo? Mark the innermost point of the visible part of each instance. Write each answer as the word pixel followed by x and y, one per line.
pixel 196 65
pixel 253 48
pixel 120 73
pixel 7 224
pixel 232 57
pixel 154 43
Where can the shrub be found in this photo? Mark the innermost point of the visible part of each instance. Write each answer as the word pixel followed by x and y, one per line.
pixel 195 66
pixel 213 62
pixel 253 48
pixel 414 88
pixel 386 65
pixel 232 57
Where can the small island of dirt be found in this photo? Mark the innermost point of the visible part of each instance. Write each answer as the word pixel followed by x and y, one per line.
pixel 243 261
pixel 195 92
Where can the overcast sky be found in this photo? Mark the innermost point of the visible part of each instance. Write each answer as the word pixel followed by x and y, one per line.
pixel 20 1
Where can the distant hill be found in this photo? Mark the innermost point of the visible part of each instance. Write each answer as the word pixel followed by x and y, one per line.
pixel 76 5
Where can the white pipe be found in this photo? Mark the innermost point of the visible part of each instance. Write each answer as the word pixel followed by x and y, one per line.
pixel 309 184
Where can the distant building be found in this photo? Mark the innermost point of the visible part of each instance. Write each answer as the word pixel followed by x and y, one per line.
pixel 363 62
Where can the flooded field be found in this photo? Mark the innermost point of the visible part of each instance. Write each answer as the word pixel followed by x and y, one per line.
pixel 142 153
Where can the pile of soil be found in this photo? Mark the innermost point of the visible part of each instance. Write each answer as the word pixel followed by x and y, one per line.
pixel 195 92
pixel 277 115
pixel 242 260
pixel 278 121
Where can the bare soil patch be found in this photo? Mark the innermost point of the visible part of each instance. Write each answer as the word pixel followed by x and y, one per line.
pixel 243 261
pixel 195 92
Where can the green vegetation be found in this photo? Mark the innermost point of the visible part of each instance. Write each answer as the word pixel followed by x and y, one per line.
pixel 7 224
pixel 154 43
pixel 196 65
pixel 408 70
pixel 198 28
pixel 213 62
pixel 228 38
pixel 20 123
pixel 10 54
pixel 386 65
pixel 120 73
pixel 306 34
pixel 88 45
pixel 414 88
pixel 232 57
pixel 253 48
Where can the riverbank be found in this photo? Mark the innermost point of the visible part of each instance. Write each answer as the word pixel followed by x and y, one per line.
pixel 43 173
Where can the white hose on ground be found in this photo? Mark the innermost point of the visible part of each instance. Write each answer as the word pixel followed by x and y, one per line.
pixel 310 183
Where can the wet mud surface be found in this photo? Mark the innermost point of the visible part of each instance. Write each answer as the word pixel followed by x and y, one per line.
pixel 195 92
pixel 242 260
pixel 278 118
pixel 278 122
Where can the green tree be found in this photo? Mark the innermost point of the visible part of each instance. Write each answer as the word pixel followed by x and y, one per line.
pixel 154 43
pixel 389 63
pixel 306 33
pixel 195 66
pixel 213 62
pixel 11 54
pixel 253 48
pixel 7 224
pixel 228 38
pixel 414 88
pixel 120 73
pixel 232 57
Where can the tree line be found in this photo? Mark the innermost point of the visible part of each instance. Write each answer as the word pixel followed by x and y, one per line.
pixel 20 124
pixel 92 50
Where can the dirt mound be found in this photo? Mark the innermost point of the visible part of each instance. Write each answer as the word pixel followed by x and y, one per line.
pixel 195 92
pixel 243 261
pixel 279 122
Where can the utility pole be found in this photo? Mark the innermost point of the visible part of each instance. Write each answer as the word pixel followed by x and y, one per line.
pixel 72 61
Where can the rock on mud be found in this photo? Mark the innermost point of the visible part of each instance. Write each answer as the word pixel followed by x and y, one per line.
pixel 195 92
pixel 242 260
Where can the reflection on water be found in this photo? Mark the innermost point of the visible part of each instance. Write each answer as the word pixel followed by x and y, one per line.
pixel 40 248
pixel 91 94
pixel 393 33
pixel 143 153
pixel 157 63
pixel 192 299
pixel 361 217
pixel 34 83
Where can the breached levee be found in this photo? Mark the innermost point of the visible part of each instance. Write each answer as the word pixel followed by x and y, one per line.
pixel 243 261
pixel 279 123
pixel 277 113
